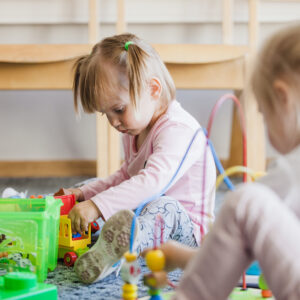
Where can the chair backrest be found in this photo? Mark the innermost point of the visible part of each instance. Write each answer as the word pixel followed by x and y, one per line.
pixel 44 67
pixel 38 67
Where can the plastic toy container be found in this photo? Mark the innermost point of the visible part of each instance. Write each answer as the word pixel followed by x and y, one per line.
pixel 23 285
pixel 29 235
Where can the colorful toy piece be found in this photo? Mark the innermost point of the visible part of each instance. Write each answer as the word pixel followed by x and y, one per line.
pixel 95 227
pixel 130 274
pixel 155 261
pixel 68 202
pixel 71 246
pixel 248 294
pixel 165 296
pixel 23 285
pixel 253 294
pixel 265 291
pixel 254 269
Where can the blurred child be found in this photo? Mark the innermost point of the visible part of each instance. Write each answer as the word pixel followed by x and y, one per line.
pixel 258 220
pixel 125 79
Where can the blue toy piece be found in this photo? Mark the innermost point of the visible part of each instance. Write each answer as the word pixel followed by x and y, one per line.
pixel 155 294
pixel 254 269
pixel 76 235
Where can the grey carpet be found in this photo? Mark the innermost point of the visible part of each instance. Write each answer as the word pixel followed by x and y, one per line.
pixel 39 186
pixel 64 278
pixel 108 289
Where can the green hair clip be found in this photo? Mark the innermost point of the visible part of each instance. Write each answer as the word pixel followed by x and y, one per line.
pixel 127 44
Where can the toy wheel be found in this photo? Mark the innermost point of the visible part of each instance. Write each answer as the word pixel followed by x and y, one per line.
pixel 95 227
pixel 70 258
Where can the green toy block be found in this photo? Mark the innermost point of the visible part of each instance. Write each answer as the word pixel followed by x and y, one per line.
pixel 248 294
pixel 24 285
pixel 29 235
pixel 262 282
pixel 165 296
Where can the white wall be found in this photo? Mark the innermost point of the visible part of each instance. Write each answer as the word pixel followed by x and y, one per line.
pixel 41 125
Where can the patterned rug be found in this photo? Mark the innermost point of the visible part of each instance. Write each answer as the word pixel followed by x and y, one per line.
pixel 63 277
pixel 109 288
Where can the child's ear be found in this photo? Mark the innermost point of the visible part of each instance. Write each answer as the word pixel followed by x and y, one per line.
pixel 155 88
pixel 282 89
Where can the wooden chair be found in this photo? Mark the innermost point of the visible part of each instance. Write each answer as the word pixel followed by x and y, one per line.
pixel 208 67
pixel 40 67
pixel 223 66
pixel 196 67
pixel 192 67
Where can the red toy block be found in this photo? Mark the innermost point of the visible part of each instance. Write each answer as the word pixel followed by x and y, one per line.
pixel 68 203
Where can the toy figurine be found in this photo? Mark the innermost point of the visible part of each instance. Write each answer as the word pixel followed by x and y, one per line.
pixel 130 274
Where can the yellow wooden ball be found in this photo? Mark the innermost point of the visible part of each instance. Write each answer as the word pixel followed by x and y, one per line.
pixel 155 260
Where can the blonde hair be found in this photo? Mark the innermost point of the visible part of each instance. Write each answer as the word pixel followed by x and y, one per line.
pixel 92 80
pixel 279 58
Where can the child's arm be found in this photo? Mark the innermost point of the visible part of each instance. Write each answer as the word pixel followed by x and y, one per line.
pixel 86 212
pixel 89 190
pixel 100 185
pixel 176 254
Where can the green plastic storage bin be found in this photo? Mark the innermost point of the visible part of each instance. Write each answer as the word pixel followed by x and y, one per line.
pixel 29 235
pixel 23 285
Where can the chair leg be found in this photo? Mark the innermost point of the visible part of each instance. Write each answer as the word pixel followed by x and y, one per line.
pixel 108 148
pixel 114 150
pixel 256 156
pixel 102 146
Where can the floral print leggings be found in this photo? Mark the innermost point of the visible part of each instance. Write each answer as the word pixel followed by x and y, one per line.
pixel 176 224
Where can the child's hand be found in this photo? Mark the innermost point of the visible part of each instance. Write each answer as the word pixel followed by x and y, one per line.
pixel 77 192
pixel 82 214
pixel 156 280
pixel 176 255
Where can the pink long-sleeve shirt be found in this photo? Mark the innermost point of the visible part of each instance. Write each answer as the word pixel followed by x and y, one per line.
pixel 147 171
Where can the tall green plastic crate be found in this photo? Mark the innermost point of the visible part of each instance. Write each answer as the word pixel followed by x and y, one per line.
pixel 29 235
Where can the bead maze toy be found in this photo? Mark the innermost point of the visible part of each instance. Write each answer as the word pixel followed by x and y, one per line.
pixel 71 246
pixel 155 260
pixel 29 235
pixel 130 274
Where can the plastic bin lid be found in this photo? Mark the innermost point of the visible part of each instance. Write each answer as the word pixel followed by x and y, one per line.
pixel 20 281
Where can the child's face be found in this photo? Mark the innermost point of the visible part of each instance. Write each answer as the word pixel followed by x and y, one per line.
pixel 124 117
pixel 281 120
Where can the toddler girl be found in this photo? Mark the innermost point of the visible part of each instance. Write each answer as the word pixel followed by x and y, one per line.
pixel 258 220
pixel 125 79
